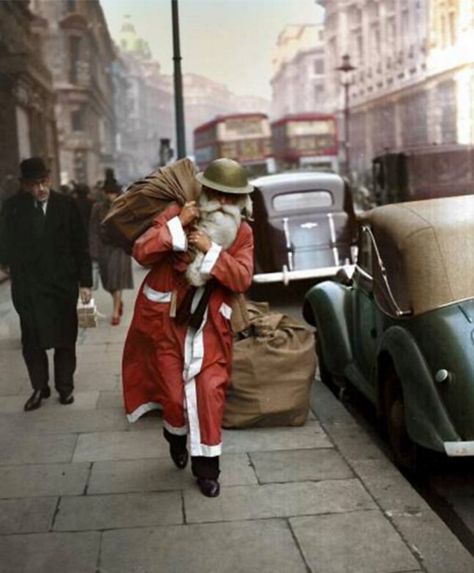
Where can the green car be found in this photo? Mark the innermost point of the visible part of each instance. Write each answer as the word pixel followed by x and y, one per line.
pixel 401 329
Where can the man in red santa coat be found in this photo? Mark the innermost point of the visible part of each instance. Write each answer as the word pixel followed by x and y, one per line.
pixel 178 352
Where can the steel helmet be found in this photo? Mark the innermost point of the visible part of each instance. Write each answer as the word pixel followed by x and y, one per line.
pixel 226 176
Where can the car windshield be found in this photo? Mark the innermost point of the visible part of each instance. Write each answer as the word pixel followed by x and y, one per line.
pixel 307 200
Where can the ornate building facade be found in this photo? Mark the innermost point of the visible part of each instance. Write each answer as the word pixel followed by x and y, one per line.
pixel 80 54
pixel 413 85
pixel 27 121
pixel 298 81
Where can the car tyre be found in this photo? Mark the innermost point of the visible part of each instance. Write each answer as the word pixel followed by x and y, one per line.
pixel 324 374
pixel 405 451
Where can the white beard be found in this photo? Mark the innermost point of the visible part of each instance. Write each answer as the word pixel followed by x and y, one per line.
pixel 221 223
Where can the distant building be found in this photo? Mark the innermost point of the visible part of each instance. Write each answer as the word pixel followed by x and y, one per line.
pixel 414 82
pixel 299 71
pixel 150 114
pixel 205 99
pixel 80 54
pixel 27 123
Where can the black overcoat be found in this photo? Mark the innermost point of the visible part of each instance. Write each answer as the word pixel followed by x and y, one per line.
pixel 48 257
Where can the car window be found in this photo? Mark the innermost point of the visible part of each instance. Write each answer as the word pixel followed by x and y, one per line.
pixel 307 200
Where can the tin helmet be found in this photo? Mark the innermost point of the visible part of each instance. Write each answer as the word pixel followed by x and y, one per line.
pixel 226 176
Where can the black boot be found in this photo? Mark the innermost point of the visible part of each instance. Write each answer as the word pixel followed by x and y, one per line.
pixel 178 451
pixel 206 471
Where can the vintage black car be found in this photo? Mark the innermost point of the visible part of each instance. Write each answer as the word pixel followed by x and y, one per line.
pixel 304 226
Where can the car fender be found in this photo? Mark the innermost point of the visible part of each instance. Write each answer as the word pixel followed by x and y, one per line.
pixel 327 301
pixel 427 420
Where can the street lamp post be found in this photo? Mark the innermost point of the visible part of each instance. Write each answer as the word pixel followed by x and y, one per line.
pixel 346 67
pixel 178 83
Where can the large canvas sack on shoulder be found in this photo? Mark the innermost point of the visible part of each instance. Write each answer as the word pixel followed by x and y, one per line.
pixel 132 213
pixel 272 372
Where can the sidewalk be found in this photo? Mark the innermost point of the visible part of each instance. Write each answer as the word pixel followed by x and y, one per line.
pixel 81 490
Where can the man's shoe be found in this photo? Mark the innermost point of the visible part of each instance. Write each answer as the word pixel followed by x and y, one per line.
pixel 180 458
pixel 209 487
pixel 66 399
pixel 34 401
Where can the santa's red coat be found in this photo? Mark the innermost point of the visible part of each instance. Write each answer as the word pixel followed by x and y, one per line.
pixel 184 371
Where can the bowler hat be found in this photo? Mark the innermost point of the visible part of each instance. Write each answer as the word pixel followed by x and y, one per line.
pixel 33 168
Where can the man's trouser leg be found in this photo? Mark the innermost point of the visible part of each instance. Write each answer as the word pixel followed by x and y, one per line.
pixel 64 368
pixel 36 359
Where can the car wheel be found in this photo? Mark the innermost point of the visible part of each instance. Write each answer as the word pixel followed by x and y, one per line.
pixel 324 373
pixel 405 451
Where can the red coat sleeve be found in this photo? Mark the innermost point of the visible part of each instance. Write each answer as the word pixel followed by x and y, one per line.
pixel 157 242
pixel 234 268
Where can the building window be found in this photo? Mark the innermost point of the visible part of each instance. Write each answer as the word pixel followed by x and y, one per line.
pixel 74 57
pixel 78 119
pixel 318 67
pixel 71 5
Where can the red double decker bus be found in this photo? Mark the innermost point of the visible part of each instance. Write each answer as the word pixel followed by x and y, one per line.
pixel 305 140
pixel 245 137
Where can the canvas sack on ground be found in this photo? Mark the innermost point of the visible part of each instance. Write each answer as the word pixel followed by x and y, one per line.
pixel 272 372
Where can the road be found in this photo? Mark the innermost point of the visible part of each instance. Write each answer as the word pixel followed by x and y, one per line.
pixel 447 485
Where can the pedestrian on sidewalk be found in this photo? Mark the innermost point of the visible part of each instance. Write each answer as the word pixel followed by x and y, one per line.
pixel 44 243
pixel 115 266
pixel 178 351
pixel 85 203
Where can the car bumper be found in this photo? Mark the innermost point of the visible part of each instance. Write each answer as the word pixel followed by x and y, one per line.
pixel 285 276
pixel 458 449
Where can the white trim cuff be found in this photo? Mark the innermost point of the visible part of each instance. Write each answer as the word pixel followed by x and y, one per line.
pixel 210 259
pixel 143 409
pixel 181 431
pixel 178 236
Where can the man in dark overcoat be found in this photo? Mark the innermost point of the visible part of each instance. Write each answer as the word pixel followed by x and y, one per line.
pixel 44 243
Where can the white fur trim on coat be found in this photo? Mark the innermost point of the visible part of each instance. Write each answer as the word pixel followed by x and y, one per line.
pixel 178 236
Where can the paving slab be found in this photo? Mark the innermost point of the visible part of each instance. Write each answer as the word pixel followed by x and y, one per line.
pixel 277 500
pixel 32 449
pixel 358 542
pixel 300 465
pixel 62 420
pixel 26 515
pixel 118 511
pixel 264 546
pixel 99 381
pixel 161 474
pixel 110 399
pixel 120 446
pixel 311 435
pixel 43 480
pixel 50 553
